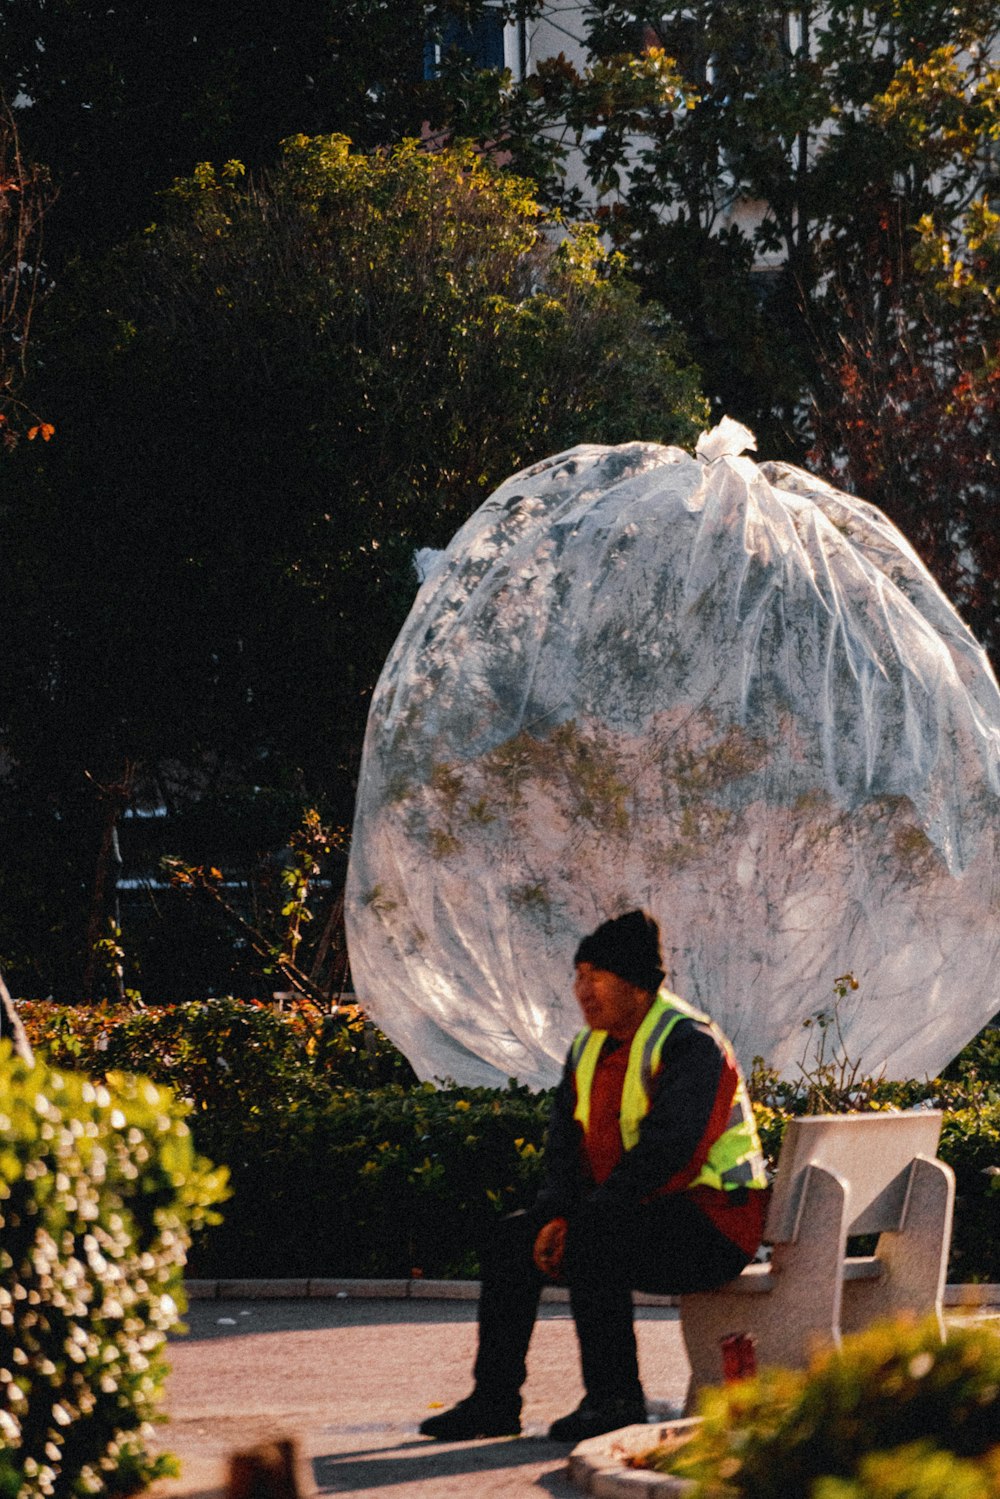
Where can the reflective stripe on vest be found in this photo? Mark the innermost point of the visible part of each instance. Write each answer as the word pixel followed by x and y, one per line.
pixel 735 1159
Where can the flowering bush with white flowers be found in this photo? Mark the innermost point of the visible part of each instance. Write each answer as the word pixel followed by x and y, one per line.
pixel 100 1190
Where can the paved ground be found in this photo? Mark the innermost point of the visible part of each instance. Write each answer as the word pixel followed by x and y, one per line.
pixel 352 1379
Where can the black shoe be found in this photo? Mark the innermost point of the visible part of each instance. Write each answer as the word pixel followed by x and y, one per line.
pixel 590 1420
pixel 474 1417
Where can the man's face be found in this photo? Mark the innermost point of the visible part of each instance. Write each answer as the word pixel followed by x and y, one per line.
pixel 609 1003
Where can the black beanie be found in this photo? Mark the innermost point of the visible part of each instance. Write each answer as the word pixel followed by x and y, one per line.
pixel 628 946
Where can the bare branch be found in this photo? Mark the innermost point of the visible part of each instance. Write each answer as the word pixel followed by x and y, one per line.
pixel 25 195
pixel 12 1028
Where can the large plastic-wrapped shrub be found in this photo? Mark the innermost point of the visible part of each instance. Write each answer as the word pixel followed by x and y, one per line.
pixel 720 690
pixel 892 1400
pixel 100 1190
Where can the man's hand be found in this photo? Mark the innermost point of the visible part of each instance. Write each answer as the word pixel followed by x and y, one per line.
pixel 550 1246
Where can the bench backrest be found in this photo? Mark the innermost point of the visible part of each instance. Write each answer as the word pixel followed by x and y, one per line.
pixel 871 1152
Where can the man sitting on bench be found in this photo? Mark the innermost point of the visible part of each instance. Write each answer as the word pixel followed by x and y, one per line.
pixel 653 1182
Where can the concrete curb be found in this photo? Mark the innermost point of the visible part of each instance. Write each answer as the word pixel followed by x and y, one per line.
pixel 386 1290
pixel 597 1465
pixel 417 1289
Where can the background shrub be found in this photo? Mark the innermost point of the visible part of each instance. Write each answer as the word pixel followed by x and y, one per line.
pixel 340 1162
pixel 375 1182
pixel 970 1143
pixel 895 1391
pixel 100 1189
pixel 220 1051
pixel 343 1164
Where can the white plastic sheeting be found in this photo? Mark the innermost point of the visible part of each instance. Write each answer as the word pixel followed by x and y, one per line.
pixel 722 691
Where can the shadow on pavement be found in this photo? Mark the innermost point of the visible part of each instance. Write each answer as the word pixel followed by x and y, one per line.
pixel 558 1484
pixel 422 1462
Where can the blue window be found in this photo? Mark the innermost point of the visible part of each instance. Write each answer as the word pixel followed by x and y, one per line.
pixel 482 42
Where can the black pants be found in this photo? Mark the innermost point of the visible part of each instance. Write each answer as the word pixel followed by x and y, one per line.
pixel 666 1246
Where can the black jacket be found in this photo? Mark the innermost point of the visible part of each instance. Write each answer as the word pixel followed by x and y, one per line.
pixel 684 1094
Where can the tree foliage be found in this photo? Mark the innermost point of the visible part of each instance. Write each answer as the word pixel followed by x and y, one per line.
pixel 263 405
pixel 120 100
pixel 300 372
pixel 814 193
pixel 912 409
pixel 762 163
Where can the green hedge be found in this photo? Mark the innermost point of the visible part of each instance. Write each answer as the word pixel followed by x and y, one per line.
pixel 100 1189
pixel 374 1183
pixel 342 1164
pixel 226 1053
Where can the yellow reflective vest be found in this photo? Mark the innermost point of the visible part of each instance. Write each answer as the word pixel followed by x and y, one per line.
pixel 735 1160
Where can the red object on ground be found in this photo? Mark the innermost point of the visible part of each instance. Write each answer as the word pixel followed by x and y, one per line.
pixel 739 1357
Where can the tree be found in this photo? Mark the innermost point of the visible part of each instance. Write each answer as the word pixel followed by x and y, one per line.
pixel 789 152
pixel 263 405
pixel 914 413
pixel 118 100
pixel 915 433
pixel 813 192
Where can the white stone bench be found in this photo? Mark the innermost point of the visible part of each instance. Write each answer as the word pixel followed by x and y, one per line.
pixel 838 1175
